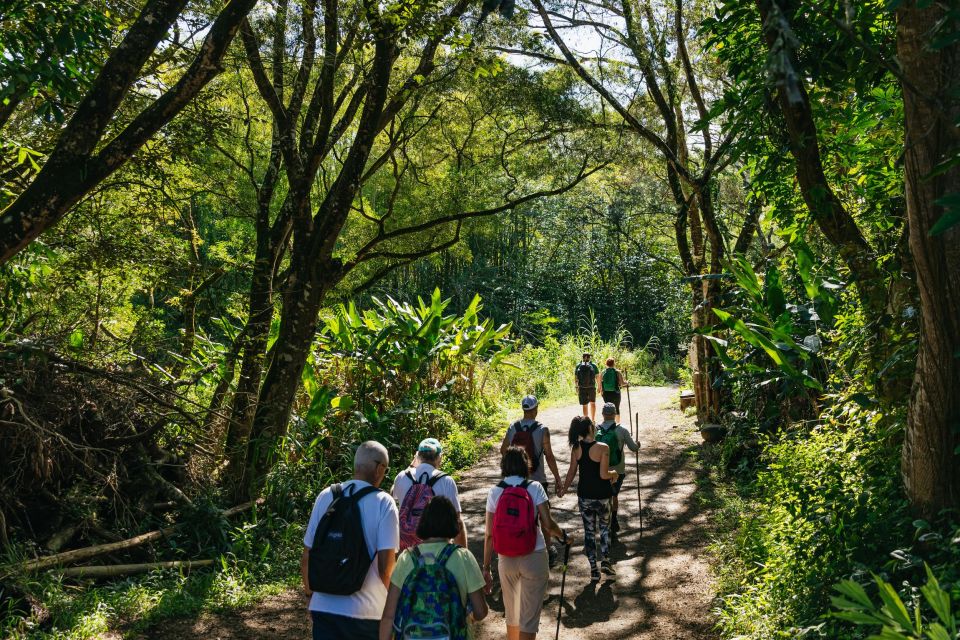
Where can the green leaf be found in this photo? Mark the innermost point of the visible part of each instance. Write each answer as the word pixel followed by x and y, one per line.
pixel 950 217
pixel 76 339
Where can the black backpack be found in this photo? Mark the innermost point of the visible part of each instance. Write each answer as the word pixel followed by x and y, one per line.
pixel 585 375
pixel 339 560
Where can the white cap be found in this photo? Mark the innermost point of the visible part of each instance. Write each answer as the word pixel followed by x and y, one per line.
pixel 529 402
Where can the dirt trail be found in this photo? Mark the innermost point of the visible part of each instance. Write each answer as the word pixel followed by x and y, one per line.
pixel 662 589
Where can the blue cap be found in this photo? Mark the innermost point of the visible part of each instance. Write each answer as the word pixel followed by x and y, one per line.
pixel 430 445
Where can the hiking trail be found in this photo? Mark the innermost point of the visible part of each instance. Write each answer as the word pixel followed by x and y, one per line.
pixel 663 586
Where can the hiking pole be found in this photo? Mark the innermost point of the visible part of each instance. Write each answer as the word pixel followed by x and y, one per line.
pixel 636 458
pixel 563 582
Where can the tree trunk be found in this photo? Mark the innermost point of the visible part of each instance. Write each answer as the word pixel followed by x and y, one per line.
pixel 930 464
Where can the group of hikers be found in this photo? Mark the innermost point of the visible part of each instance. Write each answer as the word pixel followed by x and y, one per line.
pixel 359 588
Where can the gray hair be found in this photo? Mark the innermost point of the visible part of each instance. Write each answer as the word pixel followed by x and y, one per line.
pixel 368 455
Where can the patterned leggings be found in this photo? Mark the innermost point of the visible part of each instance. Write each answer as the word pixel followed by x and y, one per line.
pixel 596 515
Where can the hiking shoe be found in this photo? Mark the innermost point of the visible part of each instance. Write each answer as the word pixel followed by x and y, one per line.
pixel 614 524
pixel 594 574
pixel 552 555
pixel 608 568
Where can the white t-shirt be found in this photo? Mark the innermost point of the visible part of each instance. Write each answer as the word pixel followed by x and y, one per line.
pixel 539 496
pixel 381 531
pixel 445 486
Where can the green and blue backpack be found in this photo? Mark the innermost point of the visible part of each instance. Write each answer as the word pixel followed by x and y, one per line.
pixel 430 607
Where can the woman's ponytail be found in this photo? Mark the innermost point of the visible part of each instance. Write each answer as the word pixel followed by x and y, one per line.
pixel 579 428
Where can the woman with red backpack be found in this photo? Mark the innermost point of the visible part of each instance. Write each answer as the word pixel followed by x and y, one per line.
pixel 519 527
pixel 592 460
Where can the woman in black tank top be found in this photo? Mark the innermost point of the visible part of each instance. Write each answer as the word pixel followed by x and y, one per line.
pixel 592 460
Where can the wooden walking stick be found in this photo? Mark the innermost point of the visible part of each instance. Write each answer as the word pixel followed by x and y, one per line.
pixel 563 581
pixel 636 458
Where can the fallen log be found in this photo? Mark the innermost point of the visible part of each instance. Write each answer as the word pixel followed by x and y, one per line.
pixel 113 570
pixel 76 555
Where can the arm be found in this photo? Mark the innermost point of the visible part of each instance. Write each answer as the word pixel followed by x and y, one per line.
pixel 389 613
pixel 386 561
pixel 488 552
pixel 304 571
pixel 572 471
pixel 547 524
pixel 461 538
pixel 605 471
pixel 628 439
pixel 506 442
pixel 599 381
pixel 621 380
pixel 551 459
pixel 479 607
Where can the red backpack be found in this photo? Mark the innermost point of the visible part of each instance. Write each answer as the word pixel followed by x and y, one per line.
pixel 514 521
pixel 523 437
pixel 414 502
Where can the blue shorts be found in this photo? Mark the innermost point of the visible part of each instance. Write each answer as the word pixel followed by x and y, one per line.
pixel 330 626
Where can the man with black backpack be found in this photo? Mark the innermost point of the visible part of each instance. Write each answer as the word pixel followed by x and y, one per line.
pixel 414 487
pixel 350 549
pixel 587 379
pixel 615 436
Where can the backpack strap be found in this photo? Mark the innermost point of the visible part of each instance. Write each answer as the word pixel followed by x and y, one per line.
pixel 445 554
pixel 409 474
pixel 432 481
pixel 503 484
pixel 524 484
pixel 356 496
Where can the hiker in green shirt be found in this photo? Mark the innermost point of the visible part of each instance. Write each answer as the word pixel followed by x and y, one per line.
pixel 615 436
pixel 611 381
pixel 587 380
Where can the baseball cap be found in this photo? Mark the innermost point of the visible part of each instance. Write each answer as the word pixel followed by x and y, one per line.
pixel 430 445
pixel 609 409
pixel 529 402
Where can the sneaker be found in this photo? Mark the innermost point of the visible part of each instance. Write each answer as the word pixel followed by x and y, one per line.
pixel 608 568
pixel 594 573
pixel 614 523
pixel 552 555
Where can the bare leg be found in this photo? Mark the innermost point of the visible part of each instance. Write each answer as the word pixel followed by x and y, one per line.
pixel 513 633
pixel 527 636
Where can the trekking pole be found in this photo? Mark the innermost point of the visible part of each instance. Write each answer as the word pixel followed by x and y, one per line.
pixel 563 581
pixel 636 458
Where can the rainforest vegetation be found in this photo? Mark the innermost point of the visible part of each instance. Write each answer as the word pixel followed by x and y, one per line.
pixel 237 238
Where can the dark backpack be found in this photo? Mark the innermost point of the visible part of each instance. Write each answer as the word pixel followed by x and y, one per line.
pixel 430 604
pixel 523 437
pixel 609 438
pixel 414 502
pixel 585 375
pixel 339 560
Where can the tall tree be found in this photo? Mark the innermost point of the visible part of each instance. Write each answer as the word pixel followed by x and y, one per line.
pixel 644 48
pixel 89 149
pixel 930 59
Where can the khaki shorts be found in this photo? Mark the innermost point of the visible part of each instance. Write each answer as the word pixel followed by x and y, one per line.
pixel 524 580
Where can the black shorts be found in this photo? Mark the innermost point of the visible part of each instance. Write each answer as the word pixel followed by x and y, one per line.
pixel 614 397
pixel 618 483
pixel 587 395
pixel 330 626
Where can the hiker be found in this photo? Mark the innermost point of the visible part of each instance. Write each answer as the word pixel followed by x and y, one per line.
pixel 519 527
pixel 350 549
pixel 586 376
pixel 535 440
pixel 435 583
pixel 592 460
pixel 413 488
pixel 611 381
pixel 615 436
